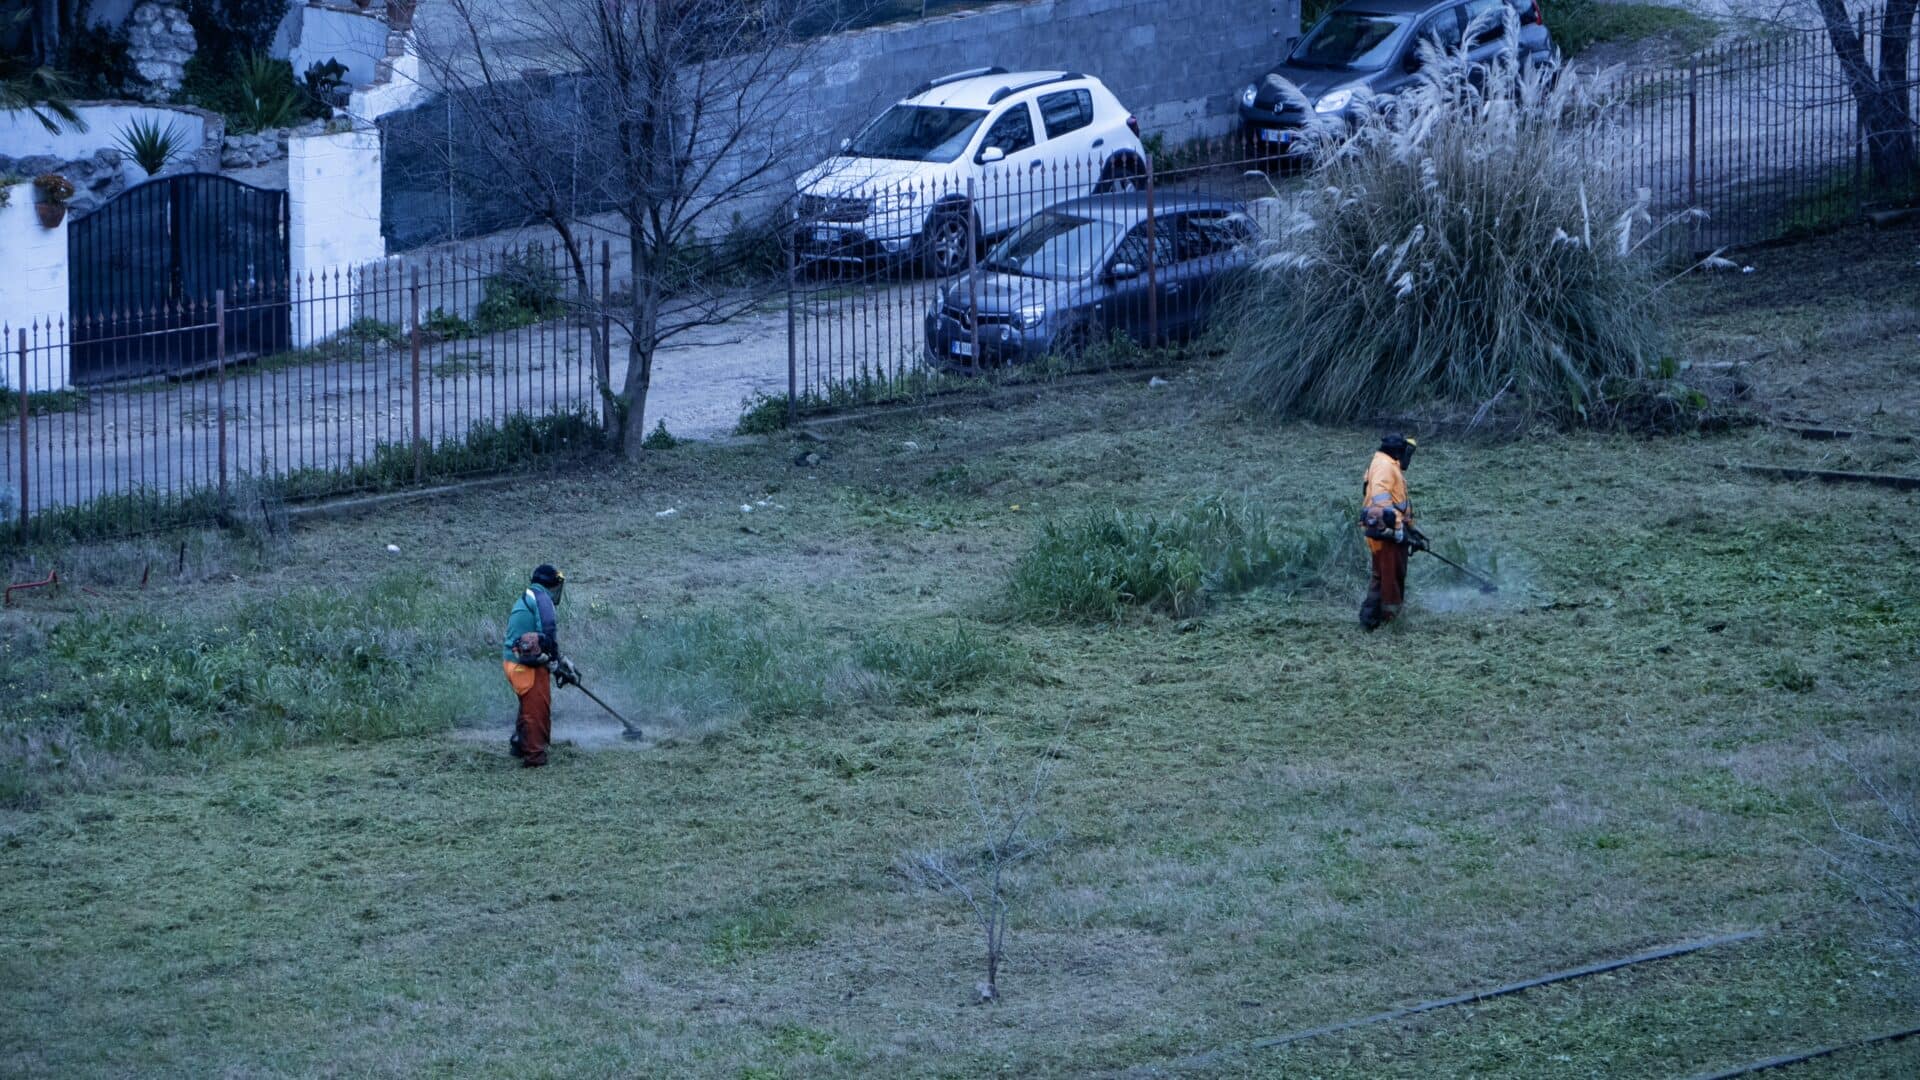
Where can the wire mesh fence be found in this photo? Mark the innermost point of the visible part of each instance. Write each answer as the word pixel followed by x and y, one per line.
pixel 355 380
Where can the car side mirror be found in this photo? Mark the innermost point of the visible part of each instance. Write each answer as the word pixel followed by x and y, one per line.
pixel 990 155
pixel 1412 63
pixel 1123 271
pixel 846 145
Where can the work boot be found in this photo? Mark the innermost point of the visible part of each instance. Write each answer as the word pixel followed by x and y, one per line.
pixel 513 745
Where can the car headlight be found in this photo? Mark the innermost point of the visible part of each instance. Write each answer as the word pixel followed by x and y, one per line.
pixel 940 297
pixel 1247 95
pixel 1335 101
pixel 893 200
pixel 1029 315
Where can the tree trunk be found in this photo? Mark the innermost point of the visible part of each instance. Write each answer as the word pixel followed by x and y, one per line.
pixel 46 31
pixel 1886 119
pixel 644 318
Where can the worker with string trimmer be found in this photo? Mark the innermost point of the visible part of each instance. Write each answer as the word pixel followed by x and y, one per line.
pixel 533 663
pixel 1386 519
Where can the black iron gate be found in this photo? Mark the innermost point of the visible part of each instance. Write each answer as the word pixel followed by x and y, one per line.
pixel 146 265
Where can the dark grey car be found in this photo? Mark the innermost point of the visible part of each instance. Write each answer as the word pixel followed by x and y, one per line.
pixel 1079 270
pixel 1373 47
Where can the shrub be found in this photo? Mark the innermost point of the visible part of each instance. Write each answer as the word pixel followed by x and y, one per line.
pixel 266 95
pixel 1471 243
pixel 322 85
pixel 366 330
pixel 443 325
pixel 1100 565
pixel 762 414
pixel 660 438
pixel 524 291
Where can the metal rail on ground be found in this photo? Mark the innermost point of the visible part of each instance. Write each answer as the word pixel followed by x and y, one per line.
pixel 1213 1056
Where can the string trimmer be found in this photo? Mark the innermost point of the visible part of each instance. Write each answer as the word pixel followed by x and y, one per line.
pixel 1421 543
pixel 566 674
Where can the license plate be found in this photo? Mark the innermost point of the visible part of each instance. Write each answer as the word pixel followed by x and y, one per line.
pixel 1275 135
pixel 962 348
pixel 826 236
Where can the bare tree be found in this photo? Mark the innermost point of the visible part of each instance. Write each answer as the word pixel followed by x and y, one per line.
pixel 1883 85
pixel 675 116
pixel 981 873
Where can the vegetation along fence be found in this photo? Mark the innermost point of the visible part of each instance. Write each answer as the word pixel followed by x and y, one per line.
pixel 1763 138
pixel 397 374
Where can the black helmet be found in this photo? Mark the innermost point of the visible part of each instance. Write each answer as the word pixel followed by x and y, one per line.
pixel 549 578
pixel 1399 447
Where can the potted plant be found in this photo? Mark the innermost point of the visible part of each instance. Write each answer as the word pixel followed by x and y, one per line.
pixel 54 191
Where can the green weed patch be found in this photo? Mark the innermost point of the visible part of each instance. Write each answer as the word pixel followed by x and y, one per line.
pixel 1099 566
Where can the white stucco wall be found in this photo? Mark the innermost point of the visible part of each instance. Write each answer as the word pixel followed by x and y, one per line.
pixel 33 289
pixel 356 39
pixel 23 136
pixel 333 191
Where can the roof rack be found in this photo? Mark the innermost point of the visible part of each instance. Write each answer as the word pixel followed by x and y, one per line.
pixel 1007 91
pixel 970 73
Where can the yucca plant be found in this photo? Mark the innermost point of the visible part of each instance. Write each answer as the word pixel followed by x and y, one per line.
pixel 1472 241
pixel 267 96
pixel 151 146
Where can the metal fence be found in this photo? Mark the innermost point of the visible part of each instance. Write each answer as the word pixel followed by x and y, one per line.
pixel 1763 138
pixel 398 374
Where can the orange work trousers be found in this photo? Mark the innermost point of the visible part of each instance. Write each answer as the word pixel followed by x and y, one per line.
pixel 534 726
pixel 1386 586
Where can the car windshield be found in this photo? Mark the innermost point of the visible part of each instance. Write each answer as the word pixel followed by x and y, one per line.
pixel 1055 245
pixel 1352 40
pixel 917 133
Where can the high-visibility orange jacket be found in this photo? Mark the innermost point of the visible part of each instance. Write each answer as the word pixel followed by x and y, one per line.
pixel 1385 488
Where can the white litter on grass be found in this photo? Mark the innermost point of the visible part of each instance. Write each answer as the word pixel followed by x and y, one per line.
pixel 768 504
pixel 668 512
pixel 1157 381
pixel 910 445
pixel 393 549
pixel 1746 269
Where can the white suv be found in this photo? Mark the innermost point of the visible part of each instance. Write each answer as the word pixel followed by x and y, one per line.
pixel 967 156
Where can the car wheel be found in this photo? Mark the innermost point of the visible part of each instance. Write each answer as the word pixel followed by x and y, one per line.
pixel 948 244
pixel 1123 172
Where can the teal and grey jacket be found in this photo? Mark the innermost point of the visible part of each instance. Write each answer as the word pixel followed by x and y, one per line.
pixel 532 614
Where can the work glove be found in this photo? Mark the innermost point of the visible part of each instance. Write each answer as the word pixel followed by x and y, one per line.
pixel 1417 540
pixel 564 672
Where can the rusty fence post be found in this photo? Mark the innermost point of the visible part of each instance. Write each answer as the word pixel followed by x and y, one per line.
pixel 25 473
pixel 413 348
pixel 220 385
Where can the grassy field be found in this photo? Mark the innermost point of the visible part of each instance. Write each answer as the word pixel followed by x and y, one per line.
pixel 260 820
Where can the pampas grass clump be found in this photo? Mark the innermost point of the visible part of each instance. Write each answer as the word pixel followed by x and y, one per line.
pixel 1473 239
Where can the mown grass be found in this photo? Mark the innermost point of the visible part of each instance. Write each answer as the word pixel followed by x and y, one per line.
pixel 1271 820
